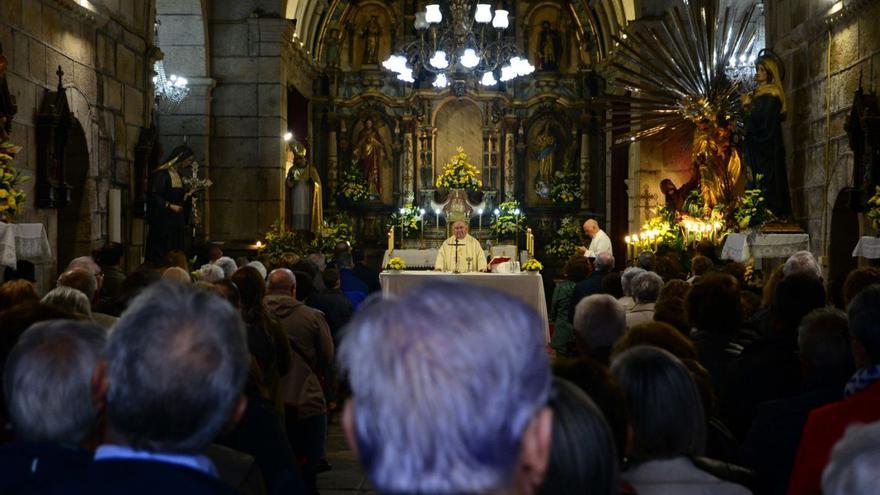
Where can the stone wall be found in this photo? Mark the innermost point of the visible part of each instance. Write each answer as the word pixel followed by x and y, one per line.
pixel 825 56
pixel 249 117
pixel 102 53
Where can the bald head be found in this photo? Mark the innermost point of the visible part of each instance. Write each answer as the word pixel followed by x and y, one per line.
pixel 591 227
pixel 281 281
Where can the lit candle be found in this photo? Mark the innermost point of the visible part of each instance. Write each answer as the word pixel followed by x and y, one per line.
pixel 635 240
pixel 629 255
pixel 390 240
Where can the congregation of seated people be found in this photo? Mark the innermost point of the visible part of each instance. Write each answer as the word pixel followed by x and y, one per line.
pixel 223 378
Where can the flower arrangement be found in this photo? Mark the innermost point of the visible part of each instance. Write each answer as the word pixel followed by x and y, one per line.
pixel 566 240
pixel 564 188
pixel 333 232
pixel 409 217
pixel 874 210
pixel 396 263
pixel 278 242
pixel 352 186
pixel 459 173
pixel 12 197
pixel 752 210
pixel 507 219
pixel 666 233
pixel 532 265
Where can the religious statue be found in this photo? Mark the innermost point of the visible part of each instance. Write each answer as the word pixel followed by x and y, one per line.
pixel 305 197
pixel 167 206
pixel 461 252
pixel 332 49
pixel 676 197
pixel 549 48
pixel 764 150
pixel 371 35
pixel 721 177
pixel 370 153
pixel 545 151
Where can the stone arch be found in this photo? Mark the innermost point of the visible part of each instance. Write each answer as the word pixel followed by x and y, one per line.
pixel 459 122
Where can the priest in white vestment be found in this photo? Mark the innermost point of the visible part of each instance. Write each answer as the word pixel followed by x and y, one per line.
pixel 599 240
pixel 461 252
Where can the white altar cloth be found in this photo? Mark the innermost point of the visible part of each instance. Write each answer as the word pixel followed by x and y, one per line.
pixel 742 247
pixel 868 247
pixel 527 286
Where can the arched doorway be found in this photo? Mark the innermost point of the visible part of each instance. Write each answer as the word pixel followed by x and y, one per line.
pixel 843 237
pixel 75 218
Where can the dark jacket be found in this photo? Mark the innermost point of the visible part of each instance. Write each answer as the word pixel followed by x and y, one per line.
pixel 336 307
pixel 586 287
pixel 31 467
pixel 136 477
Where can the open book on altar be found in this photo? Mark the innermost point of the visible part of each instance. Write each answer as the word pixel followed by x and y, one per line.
pixel 502 264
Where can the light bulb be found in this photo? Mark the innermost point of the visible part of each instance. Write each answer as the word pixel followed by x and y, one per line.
pixel 470 58
pixel 500 21
pixel 420 23
pixel 439 60
pixel 441 81
pixel 288 136
pixel 497 211
pixel 483 14
pixel 488 79
pixel 507 73
pixel 433 14
pixel 516 211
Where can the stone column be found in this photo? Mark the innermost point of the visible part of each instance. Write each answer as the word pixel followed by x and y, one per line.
pixel 332 173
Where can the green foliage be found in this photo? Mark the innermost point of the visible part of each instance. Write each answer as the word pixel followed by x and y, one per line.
pixel 279 241
pixel 334 231
pixel 566 240
pixel 410 217
pixel 352 186
pixel 564 188
pixel 505 222
pixel 874 210
pixel 12 197
pixel 752 210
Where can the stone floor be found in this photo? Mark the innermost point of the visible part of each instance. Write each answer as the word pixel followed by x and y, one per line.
pixel 346 477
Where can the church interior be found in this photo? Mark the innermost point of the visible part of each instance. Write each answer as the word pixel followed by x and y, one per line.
pixel 168 132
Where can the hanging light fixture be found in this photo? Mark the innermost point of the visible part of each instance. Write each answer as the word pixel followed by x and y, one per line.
pixel 170 90
pixel 471 45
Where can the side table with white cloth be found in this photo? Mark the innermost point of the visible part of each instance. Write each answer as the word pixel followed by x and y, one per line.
pixel 742 247
pixel 868 247
pixel 527 286
pixel 24 241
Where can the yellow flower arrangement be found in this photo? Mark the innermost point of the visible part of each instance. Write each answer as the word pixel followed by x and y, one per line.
pixel 874 210
pixel 532 265
pixel 396 263
pixel 12 197
pixel 459 173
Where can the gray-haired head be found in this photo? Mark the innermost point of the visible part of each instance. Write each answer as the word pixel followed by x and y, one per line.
pixel 665 409
pixel 604 262
pixel 599 320
pixel 432 411
pixel 626 279
pixel 68 299
pixel 176 365
pixel 864 323
pixel 227 264
pixel 583 458
pixel 646 287
pixel 855 462
pixel 260 267
pixel 210 273
pixel 47 381
pixel 81 280
pixel 823 339
pixel 802 262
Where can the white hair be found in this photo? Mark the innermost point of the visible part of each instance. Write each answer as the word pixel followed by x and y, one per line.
pixel 227 264
pixel 855 462
pixel 627 277
pixel 433 413
pixel 801 262
pixel 210 273
pixel 646 287
pixel 259 267
pixel 68 299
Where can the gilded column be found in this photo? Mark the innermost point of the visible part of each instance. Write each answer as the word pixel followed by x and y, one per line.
pixel 585 169
pixel 332 164
pixel 509 174
pixel 408 165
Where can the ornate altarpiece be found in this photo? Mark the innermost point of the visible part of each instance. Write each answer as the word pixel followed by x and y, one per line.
pixel 520 135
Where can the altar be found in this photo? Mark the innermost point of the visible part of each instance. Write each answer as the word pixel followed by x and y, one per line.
pixel 527 286
pixel 25 241
pixel 743 247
